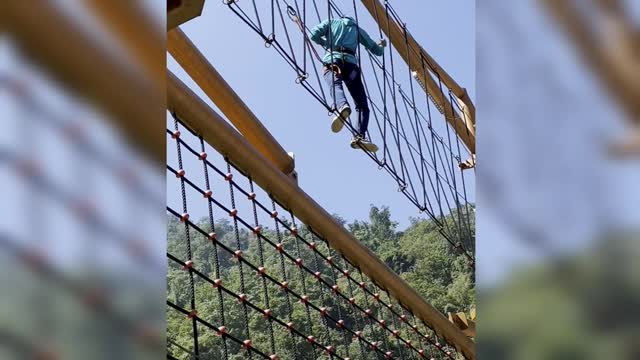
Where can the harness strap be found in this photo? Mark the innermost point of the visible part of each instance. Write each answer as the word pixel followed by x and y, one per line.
pixel 345 50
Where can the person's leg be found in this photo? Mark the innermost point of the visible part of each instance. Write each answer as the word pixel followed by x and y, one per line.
pixel 334 81
pixel 353 80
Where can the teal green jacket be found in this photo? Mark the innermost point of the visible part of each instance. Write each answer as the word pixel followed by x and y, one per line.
pixel 343 32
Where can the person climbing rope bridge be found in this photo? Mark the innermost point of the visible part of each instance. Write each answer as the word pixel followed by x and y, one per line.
pixel 427 166
pixel 341 37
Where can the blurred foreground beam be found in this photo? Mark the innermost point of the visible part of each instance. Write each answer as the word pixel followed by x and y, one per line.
pixel 135 29
pixel 69 54
pixel 223 96
pixel 420 62
pixel 614 56
pixel 226 140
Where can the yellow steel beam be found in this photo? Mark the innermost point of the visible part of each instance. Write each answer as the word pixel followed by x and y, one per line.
pixel 421 63
pixel 217 89
pixel 53 40
pixel 217 132
pixel 181 11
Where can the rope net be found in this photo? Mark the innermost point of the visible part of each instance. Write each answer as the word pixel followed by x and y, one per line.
pixel 246 278
pixel 420 150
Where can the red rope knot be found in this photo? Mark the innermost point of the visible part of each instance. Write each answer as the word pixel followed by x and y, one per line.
pixel 311 339
pixel 362 285
pixel 340 324
pixel 299 262
pixel 290 326
pixel 267 313
pixel 396 333
pixel 175 134
pixel 438 345
pixel 312 245
pixel 408 344
pixel 247 344
pixel 243 298
pixel 212 236
pixel 188 265
pixel 252 196
pixel 323 311
pixel 345 272
pixel 388 355
pixel 273 357
pixel 280 247
pixel 233 212
pixel 180 173
pixel 414 327
pixel 217 283
pixel 390 305
pixel 376 296
pixel 207 194
pixel 330 260
pixel 304 299
pixel 294 231
pixel 285 285
pixel 374 345
pixel 336 289
pixel 329 349
pixel 448 353
pixel 358 334
pixel 274 214
pixel 421 353
pixel 184 217
pixel 193 313
pixel 237 254
pixel 261 271
pixel 382 323
pixel 221 331
pixel 403 317
pixel 352 301
pixel 228 177
pixel 317 275
pixel 367 313
pixel 427 336
pixel 202 156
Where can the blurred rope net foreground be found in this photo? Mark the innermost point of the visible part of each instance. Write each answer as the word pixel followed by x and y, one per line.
pixel 81 218
pixel 257 282
pixel 63 244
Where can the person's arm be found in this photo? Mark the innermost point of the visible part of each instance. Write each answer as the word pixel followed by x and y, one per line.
pixel 318 33
pixel 365 39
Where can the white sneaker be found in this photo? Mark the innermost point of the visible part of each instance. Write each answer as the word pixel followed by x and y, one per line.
pixel 359 142
pixel 338 122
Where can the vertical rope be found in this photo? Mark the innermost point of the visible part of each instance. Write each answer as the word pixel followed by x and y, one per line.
pixel 274 215
pixel 213 238
pixel 185 219
pixel 239 253
pixel 265 293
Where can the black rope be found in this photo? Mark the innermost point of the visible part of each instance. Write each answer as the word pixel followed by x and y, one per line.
pixel 323 272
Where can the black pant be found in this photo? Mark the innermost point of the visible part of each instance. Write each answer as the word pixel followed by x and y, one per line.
pixel 349 74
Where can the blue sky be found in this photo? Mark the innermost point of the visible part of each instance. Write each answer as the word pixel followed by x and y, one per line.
pixel 342 180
